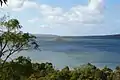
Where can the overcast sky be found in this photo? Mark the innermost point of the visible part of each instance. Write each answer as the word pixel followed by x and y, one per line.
pixel 66 17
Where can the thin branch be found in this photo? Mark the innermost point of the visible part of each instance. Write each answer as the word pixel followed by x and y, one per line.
pixel 6 59
pixel 11 52
pixel 5 51
pixel 2 48
pixel 5 45
pixel 1 45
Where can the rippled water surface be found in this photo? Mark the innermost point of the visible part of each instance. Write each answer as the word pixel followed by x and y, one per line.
pixel 75 51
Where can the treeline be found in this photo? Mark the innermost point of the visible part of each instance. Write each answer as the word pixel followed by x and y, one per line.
pixel 22 68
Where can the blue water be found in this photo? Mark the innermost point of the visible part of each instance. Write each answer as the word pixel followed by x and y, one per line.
pixel 77 51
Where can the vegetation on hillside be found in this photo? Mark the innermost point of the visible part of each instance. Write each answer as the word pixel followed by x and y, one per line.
pixel 22 68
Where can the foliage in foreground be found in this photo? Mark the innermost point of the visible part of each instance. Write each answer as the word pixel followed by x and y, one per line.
pixel 22 68
pixel 13 40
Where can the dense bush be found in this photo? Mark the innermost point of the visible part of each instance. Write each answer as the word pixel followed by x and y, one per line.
pixel 23 69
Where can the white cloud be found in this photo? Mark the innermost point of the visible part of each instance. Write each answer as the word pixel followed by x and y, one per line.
pixel 14 4
pixel 81 14
pixel 19 5
pixel 77 17
pixel 44 26
pixel 49 10
pixel 96 4
pixel 33 20
pixel 27 4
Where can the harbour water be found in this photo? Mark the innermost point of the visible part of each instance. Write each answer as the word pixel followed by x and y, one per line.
pixel 75 51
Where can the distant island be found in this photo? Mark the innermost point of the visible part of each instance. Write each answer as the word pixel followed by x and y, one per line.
pixel 60 38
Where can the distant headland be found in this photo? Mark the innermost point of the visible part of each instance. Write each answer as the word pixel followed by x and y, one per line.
pixel 90 36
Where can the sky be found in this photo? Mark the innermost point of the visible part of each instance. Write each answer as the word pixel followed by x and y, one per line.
pixel 66 17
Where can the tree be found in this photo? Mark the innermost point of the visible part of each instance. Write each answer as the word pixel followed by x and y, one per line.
pixel 13 40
